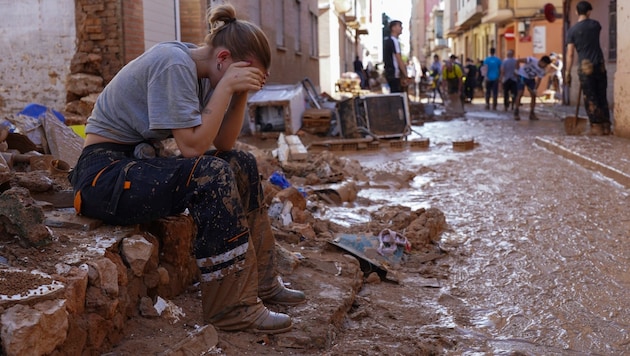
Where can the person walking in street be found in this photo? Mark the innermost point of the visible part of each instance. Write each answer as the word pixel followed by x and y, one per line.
pixel 196 95
pixel 509 80
pixel 530 73
pixel 481 72
pixel 583 37
pixel 436 77
pixel 493 71
pixel 395 68
pixel 471 80
pixel 452 76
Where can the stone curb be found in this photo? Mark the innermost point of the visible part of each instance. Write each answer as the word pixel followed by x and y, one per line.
pixel 586 162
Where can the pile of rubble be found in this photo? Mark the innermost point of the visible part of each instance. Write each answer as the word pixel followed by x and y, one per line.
pixel 70 285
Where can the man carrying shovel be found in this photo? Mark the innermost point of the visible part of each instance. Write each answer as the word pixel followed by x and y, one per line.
pixel 584 38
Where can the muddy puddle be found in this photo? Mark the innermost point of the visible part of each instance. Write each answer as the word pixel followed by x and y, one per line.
pixel 538 252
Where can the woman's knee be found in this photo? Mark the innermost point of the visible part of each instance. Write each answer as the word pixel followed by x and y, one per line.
pixel 211 167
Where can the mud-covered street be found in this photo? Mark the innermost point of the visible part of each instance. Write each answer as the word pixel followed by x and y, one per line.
pixel 532 259
pixel 537 260
pixel 534 256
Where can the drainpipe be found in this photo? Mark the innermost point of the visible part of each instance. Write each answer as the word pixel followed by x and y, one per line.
pixel 178 31
pixel 566 24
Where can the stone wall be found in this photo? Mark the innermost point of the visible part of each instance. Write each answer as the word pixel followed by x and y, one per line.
pixel 99 55
pixel 102 292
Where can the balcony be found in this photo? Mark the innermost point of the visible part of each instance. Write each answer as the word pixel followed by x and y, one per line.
pixel 501 10
pixel 470 14
pixel 439 43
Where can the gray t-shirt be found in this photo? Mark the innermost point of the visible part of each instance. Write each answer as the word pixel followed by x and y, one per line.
pixel 509 69
pixel 151 95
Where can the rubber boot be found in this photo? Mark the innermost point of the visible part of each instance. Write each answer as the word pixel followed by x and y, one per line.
pixel 270 288
pixel 231 302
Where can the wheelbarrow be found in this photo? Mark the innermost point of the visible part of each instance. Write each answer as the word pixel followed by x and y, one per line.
pixel 575 125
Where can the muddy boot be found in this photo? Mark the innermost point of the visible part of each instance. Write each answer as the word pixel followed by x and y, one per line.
pixel 606 129
pixel 231 303
pixel 532 116
pixel 270 287
pixel 517 116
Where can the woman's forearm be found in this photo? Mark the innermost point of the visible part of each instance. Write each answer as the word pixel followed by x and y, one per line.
pixel 232 122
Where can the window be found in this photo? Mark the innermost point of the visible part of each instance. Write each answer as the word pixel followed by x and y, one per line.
pixel 298 34
pixel 612 31
pixel 314 40
pixel 280 24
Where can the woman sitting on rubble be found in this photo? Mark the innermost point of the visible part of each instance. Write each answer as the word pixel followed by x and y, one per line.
pixel 198 96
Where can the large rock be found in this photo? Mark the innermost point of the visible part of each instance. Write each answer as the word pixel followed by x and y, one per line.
pixel 36 330
pixel 21 216
pixel 136 250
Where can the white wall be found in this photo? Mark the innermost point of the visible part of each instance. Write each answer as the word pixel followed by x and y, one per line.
pixel 159 22
pixel 329 67
pixel 37 38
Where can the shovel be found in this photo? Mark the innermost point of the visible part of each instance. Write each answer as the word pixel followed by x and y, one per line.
pixel 575 125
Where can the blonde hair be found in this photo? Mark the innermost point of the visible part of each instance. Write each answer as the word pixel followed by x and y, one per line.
pixel 240 37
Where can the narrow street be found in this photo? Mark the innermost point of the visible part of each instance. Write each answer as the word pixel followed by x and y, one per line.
pixel 537 260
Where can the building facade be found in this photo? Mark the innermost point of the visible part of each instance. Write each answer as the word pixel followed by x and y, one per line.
pixel 469 28
pixel 66 60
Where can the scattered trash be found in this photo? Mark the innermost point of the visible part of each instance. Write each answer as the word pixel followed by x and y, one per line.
pixel 337 194
pixel 391 241
pixel 367 248
pixel 278 179
pixel 281 211
pixel 168 309
pixel 36 110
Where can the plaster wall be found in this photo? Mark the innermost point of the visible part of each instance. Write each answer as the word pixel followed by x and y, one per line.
pixel 37 38
pixel 622 74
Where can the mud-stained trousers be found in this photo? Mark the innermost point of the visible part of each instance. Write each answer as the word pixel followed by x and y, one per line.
pixel 594 82
pixel 223 194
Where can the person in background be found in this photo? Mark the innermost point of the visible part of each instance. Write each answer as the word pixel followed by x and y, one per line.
pixel 481 72
pixel 493 71
pixel 456 63
pixel 436 74
pixel 395 68
pixel 358 68
pixel 471 80
pixel 555 81
pixel 197 96
pixel 530 74
pixel 583 37
pixel 509 80
pixel 452 76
